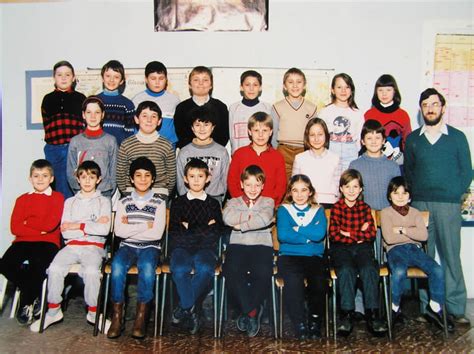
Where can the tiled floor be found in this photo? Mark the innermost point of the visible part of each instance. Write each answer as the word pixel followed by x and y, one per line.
pixel 75 335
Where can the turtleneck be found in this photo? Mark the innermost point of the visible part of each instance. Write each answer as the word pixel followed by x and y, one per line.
pixel 111 93
pixel 250 103
pixel 155 94
pixel 385 109
pixel 147 138
pixel 402 210
pixel 93 133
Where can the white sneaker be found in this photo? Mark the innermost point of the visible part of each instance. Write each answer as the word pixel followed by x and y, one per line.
pixel 48 321
pixel 91 320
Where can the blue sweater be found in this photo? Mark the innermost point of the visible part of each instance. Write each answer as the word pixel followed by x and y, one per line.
pixel 119 113
pixel 440 172
pixel 308 240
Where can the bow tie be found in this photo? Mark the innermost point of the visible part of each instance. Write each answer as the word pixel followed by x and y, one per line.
pixel 301 213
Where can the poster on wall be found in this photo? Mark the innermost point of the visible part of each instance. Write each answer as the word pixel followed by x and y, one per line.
pixel 211 15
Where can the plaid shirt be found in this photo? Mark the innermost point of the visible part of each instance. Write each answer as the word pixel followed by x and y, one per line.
pixel 344 218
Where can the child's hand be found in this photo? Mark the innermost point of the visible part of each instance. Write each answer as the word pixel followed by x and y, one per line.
pixel 185 224
pixel 150 224
pixel 211 222
pixel 69 226
pixel 237 227
pixel 399 230
pixel 124 219
pixel 365 226
pixel 345 233
pixel 103 220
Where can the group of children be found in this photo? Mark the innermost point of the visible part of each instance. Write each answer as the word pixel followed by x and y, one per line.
pixel 133 149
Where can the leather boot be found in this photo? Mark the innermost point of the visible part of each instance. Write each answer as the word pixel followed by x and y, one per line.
pixel 139 327
pixel 115 329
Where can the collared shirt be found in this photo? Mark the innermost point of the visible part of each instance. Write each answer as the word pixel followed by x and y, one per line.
pixel 191 196
pixel 433 138
pixel 48 191
pixel 201 103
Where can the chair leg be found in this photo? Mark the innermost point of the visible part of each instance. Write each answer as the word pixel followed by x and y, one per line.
pixel 163 302
pixel 274 306
pixel 327 315
pixel 106 299
pixel 4 290
pixel 44 301
pixel 157 300
pixel 99 305
pixel 334 314
pixel 445 322
pixel 281 312
pixel 16 300
pixel 388 309
pixel 216 307
pixel 221 305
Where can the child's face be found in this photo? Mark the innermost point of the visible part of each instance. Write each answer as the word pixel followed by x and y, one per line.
pixel 88 182
pixel 294 85
pixel 156 82
pixel 112 79
pixel 300 193
pixel 251 88
pixel 341 90
pixel 41 179
pixel 93 115
pixel 202 130
pixel 63 78
pixel 147 121
pixel 351 191
pixel 400 197
pixel 316 137
pixel 252 187
pixel 373 142
pixel 200 84
pixel 142 181
pixel 196 179
pixel 385 94
pixel 260 134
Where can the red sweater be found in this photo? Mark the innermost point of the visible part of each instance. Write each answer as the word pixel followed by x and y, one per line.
pixel 35 213
pixel 396 123
pixel 270 161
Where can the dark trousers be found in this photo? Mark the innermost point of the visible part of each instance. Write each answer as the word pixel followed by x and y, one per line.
pixel 351 260
pixel 29 278
pixel 294 270
pixel 248 271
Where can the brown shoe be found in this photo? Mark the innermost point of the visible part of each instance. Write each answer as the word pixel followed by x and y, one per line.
pixel 116 328
pixel 139 327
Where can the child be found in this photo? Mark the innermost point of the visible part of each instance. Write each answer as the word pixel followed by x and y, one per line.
pixel 119 110
pixel 260 153
pixel 140 222
pixel 291 115
pixel 147 142
pixel 205 148
pixel 344 120
pixel 93 145
pixel 301 225
pixel 200 87
pixel 239 112
pixel 156 79
pixel 248 265
pixel 62 119
pixel 403 230
pixel 352 233
pixel 85 225
pixel 318 163
pixel 194 229
pixel 386 109
pixel 35 224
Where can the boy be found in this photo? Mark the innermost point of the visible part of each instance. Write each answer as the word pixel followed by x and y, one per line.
pixel 194 229
pixel 119 110
pixel 85 225
pixel 35 224
pixel 262 154
pixel 200 87
pixel 93 145
pixel 203 147
pixel 239 112
pixel 148 142
pixel 156 79
pixel 140 221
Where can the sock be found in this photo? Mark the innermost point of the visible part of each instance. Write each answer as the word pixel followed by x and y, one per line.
pixel 53 309
pixel 253 313
pixel 395 307
pixel 435 306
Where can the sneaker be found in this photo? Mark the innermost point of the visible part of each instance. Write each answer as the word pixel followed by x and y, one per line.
pixel 344 327
pixel 437 319
pixel 398 318
pixel 242 322
pixel 91 320
pixel 36 309
pixel 193 321
pixel 254 323
pixel 314 326
pixel 301 331
pixel 48 321
pixel 178 315
pixel 375 325
pixel 25 316
pixel 460 319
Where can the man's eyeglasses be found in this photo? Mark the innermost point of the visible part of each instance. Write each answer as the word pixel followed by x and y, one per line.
pixel 431 105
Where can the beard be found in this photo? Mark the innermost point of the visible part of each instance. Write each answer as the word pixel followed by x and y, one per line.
pixel 433 121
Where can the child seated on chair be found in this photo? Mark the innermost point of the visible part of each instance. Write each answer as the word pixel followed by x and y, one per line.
pixel 85 225
pixel 352 234
pixel 35 224
pixel 194 230
pixel 248 266
pixel 403 230
pixel 140 222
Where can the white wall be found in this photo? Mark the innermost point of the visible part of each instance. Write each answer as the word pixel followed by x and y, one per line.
pixel 364 39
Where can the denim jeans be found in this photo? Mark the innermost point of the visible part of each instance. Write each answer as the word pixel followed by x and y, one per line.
pixel 57 156
pixel 403 256
pixel 146 260
pixel 191 287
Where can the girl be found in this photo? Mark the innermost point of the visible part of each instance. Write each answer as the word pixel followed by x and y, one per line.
pixel 318 163
pixel 403 230
pixel 386 109
pixel 62 119
pixel 291 115
pixel 344 120
pixel 352 233
pixel 301 226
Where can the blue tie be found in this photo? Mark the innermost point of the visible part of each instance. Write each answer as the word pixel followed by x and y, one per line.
pixel 301 213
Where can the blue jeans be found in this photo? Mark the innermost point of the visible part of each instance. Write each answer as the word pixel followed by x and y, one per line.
pixel 57 156
pixel 146 260
pixel 403 256
pixel 191 287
